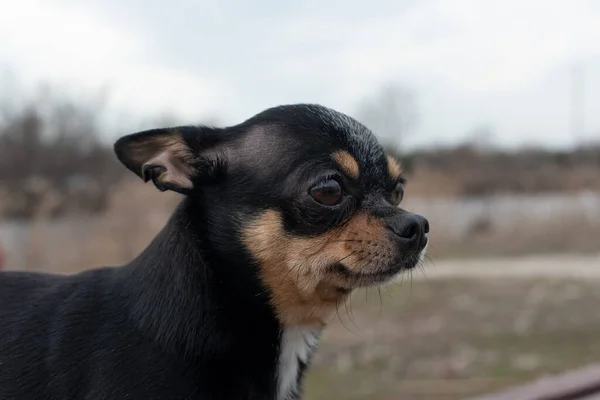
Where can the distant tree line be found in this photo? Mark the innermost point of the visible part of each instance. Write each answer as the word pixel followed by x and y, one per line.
pixel 485 172
pixel 52 156
pixel 52 149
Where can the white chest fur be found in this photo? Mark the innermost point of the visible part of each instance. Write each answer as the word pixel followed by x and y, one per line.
pixel 298 344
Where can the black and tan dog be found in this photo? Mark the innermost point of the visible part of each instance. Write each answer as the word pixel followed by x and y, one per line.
pixel 284 215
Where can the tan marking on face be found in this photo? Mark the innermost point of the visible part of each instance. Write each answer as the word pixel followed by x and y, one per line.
pixel 297 269
pixel 347 163
pixel 394 167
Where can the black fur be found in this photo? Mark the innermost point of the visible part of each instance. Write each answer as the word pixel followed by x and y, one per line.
pixel 188 318
pixel 172 324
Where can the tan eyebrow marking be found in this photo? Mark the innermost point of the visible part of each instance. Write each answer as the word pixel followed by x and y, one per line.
pixel 347 163
pixel 394 167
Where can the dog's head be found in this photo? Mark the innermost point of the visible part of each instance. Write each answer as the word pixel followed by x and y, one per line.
pixel 306 192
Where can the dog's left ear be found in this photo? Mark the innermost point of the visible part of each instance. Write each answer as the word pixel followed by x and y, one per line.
pixel 165 156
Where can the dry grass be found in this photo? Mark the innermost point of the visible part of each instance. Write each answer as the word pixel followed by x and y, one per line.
pixel 467 170
pixel 136 213
pixel 459 228
pixel 450 339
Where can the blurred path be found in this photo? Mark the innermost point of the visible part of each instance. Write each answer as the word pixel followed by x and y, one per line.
pixel 549 266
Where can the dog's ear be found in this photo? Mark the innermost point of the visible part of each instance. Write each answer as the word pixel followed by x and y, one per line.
pixel 166 156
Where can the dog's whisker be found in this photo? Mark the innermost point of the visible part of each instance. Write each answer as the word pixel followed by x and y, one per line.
pixel 349 255
pixel 387 289
pixel 422 269
pixel 380 301
pixel 337 311
pixel 347 301
pixel 429 259
pixel 411 283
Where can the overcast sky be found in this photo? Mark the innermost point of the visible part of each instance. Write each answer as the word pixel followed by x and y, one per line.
pixel 506 64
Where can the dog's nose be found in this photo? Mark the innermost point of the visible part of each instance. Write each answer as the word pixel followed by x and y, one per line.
pixel 410 229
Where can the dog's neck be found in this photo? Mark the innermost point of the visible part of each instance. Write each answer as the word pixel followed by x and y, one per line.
pixel 183 294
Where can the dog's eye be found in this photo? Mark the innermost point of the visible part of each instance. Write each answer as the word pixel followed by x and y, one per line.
pixel 328 193
pixel 397 194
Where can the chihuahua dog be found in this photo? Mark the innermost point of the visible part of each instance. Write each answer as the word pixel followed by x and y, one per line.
pixel 282 217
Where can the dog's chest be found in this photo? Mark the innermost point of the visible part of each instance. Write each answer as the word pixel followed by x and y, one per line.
pixel 298 344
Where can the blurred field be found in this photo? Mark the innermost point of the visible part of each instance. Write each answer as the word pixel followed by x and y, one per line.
pixel 460 227
pixel 453 338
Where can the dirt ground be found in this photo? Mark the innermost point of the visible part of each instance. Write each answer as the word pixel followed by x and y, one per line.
pixel 462 328
pixel 547 265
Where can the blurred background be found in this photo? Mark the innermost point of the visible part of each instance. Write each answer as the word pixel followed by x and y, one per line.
pixel 494 108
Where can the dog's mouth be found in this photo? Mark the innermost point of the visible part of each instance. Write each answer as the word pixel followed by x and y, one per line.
pixel 358 279
pixel 367 276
